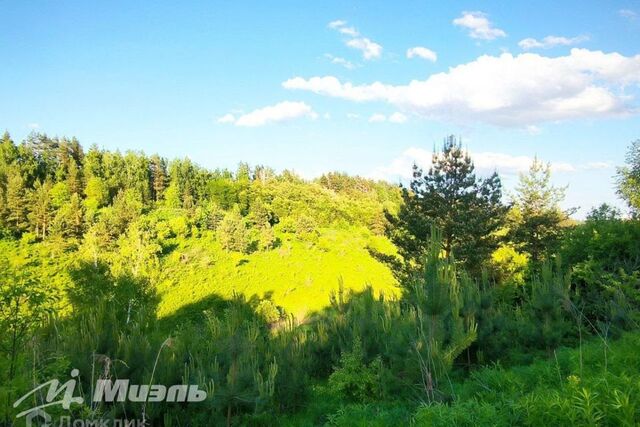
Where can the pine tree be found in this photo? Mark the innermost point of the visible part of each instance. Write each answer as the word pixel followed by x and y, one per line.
pixel 536 218
pixel 92 163
pixel 97 194
pixel 444 328
pixel 41 209
pixel 466 209
pixel 8 154
pixel 629 178
pixel 69 220
pixel 158 177
pixel 16 198
pixel 74 180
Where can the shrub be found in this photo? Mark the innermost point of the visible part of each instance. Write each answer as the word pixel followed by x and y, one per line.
pixel 233 233
pixel 355 381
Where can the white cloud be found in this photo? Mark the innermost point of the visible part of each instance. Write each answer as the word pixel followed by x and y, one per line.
pixel 505 90
pixel 377 118
pixel 33 126
pixel 368 48
pixel 398 118
pixel 280 112
pixel 340 61
pixel 628 14
pixel 349 31
pixel 353 116
pixel 337 24
pixel 597 165
pixel 485 163
pixel 227 118
pixel 478 25
pixel 422 52
pixel 550 41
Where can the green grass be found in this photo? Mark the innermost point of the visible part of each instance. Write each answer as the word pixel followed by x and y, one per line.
pixel 602 390
pixel 297 275
pixel 559 391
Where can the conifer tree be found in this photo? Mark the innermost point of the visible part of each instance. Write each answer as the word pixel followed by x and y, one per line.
pixel 74 180
pixel 16 197
pixel 629 178
pixel 158 177
pixel 41 209
pixel 536 220
pixel 468 210
pixel 444 328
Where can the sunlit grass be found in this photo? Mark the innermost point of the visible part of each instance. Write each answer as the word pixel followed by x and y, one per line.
pixel 297 275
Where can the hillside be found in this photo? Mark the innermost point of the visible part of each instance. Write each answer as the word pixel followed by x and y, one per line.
pixel 297 275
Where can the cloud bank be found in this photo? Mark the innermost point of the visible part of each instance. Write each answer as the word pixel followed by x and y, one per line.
pixel 504 90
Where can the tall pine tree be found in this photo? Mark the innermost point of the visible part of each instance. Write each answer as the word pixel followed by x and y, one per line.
pixel 466 209
pixel 536 218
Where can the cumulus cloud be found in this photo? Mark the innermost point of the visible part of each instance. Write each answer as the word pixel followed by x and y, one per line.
pixel 505 90
pixel 486 163
pixel 280 112
pixel 422 52
pixel 550 41
pixel 478 25
pixel 368 48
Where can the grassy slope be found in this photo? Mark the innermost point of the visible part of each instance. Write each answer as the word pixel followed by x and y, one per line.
pixel 297 275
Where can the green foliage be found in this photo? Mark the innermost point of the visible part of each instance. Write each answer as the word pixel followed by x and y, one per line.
pixel 467 210
pixel 509 266
pixel 355 381
pixel 97 194
pixel 444 331
pixel 562 392
pixel 604 255
pixel 536 219
pixel 549 305
pixel 15 201
pixel 268 311
pixel 629 178
pixel 233 233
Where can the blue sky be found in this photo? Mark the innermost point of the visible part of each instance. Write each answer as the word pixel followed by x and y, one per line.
pixel 293 84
